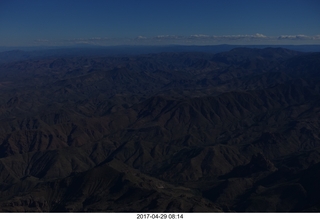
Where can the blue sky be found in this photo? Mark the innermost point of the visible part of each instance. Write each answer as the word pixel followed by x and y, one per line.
pixel 154 22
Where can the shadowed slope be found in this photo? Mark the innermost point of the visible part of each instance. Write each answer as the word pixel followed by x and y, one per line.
pixel 235 131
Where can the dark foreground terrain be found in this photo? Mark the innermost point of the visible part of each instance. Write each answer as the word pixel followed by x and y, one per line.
pixel 237 131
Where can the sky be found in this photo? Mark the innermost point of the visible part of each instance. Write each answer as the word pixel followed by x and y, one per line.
pixel 158 22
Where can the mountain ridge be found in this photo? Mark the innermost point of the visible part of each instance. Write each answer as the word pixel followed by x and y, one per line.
pixel 190 132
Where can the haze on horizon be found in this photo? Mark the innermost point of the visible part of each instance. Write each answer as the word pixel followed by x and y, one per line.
pixel 141 22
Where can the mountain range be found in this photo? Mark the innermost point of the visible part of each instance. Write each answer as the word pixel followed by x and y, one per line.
pixel 232 131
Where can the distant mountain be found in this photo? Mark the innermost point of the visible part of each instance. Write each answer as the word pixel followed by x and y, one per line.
pixel 234 131
pixel 9 54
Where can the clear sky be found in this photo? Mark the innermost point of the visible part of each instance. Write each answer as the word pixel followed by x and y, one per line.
pixel 154 22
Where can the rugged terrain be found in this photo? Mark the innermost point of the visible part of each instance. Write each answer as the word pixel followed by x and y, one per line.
pixel 236 131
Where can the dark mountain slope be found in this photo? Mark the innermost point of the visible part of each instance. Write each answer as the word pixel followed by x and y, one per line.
pixel 235 131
